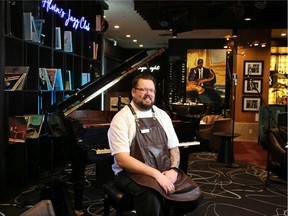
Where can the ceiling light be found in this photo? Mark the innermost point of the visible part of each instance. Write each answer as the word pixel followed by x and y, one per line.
pixel 141 45
pixel 283 34
pixel 247 18
pixel 128 36
pixel 116 27
pixel 115 43
pixel 256 43
pixel 263 44
pixel 135 41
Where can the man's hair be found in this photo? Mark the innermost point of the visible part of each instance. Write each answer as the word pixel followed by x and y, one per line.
pixel 200 60
pixel 146 76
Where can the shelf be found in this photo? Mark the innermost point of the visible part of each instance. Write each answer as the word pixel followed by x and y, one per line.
pixel 20 52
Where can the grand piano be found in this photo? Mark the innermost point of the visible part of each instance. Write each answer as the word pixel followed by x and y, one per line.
pixel 83 132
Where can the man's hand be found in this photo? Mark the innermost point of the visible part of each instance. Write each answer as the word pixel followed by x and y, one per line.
pixel 165 182
pixel 171 174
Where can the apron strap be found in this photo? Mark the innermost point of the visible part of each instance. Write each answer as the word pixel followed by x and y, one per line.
pixel 135 115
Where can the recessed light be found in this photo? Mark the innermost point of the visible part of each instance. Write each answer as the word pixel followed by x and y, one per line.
pixel 247 19
pixel 135 41
pixel 141 45
pixel 283 34
pixel 116 27
pixel 263 44
pixel 128 36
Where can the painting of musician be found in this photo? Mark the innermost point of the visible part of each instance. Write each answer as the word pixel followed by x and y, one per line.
pixel 201 76
pixel 201 80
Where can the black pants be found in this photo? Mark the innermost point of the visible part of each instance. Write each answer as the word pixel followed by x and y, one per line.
pixel 147 201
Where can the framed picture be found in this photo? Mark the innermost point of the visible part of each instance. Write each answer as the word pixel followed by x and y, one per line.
pixel 251 104
pixel 252 86
pixel 253 68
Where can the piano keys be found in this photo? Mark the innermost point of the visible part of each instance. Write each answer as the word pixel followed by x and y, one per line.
pixel 99 151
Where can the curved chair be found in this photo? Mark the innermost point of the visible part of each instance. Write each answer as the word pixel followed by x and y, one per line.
pixel 277 148
pixel 218 124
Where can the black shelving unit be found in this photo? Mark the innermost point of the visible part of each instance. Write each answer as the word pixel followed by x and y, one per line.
pixel 15 51
pixel 20 52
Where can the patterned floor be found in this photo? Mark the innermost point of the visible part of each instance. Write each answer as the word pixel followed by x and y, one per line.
pixel 227 191
pixel 235 191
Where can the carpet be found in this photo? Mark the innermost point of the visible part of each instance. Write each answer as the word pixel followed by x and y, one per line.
pixel 236 191
pixel 226 191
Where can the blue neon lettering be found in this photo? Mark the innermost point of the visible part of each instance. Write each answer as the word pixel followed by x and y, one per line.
pixel 82 23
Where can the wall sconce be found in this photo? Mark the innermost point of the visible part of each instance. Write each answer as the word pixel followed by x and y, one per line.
pixel 174 34
pixel 234 33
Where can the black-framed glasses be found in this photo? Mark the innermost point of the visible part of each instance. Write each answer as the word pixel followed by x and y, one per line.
pixel 145 90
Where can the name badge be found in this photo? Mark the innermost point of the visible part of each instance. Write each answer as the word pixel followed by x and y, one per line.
pixel 143 131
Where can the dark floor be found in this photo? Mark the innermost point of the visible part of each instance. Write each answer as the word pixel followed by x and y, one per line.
pixel 250 152
pixel 243 151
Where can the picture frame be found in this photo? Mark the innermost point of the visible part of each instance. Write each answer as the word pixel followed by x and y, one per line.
pixel 249 86
pixel 253 68
pixel 251 104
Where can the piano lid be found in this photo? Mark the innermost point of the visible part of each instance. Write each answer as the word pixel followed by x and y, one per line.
pixel 93 89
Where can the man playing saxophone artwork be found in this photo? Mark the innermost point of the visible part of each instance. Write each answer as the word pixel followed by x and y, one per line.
pixel 201 82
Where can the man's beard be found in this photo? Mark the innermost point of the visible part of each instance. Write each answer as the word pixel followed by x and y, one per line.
pixel 143 106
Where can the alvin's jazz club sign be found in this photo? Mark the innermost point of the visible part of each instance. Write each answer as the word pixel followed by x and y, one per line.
pixel 76 23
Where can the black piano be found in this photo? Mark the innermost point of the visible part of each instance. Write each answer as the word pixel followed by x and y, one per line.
pixel 84 132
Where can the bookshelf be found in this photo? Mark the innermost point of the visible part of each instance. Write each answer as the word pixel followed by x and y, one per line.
pixel 46 53
pixel 21 162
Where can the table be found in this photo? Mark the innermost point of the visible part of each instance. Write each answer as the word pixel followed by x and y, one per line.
pixel 205 125
pixel 184 148
pixel 226 153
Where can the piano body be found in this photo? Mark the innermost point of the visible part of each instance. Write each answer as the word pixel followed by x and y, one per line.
pixel 84 132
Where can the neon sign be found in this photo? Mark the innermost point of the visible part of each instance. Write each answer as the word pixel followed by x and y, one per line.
pixel 152 68
pixel 76 23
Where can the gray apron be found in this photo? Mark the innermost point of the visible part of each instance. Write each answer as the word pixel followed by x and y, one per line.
pixel 150 147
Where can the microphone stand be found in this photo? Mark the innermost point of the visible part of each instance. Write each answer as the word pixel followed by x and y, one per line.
pixel 267 134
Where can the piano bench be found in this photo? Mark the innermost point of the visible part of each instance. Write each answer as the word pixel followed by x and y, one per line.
pixel 119 200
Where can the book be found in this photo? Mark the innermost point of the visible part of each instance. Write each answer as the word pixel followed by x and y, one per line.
pixel 51 72
pixel 95 50
pixel 68 82
pixel 58 84
pixel 85 78
pixel 15 77
pixel 37 30
pixel 45 83
pixel 17 129
pixel 57 125
pixel 27 26
pixel 58 44
pixel 31 28
pixel 68 47
pixel 34 126
pixel 98 21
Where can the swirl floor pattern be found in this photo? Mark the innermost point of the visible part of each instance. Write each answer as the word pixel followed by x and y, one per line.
pixel 236 191
pixel 226 191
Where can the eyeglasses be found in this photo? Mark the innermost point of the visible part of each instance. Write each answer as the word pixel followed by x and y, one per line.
pixel 145 90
